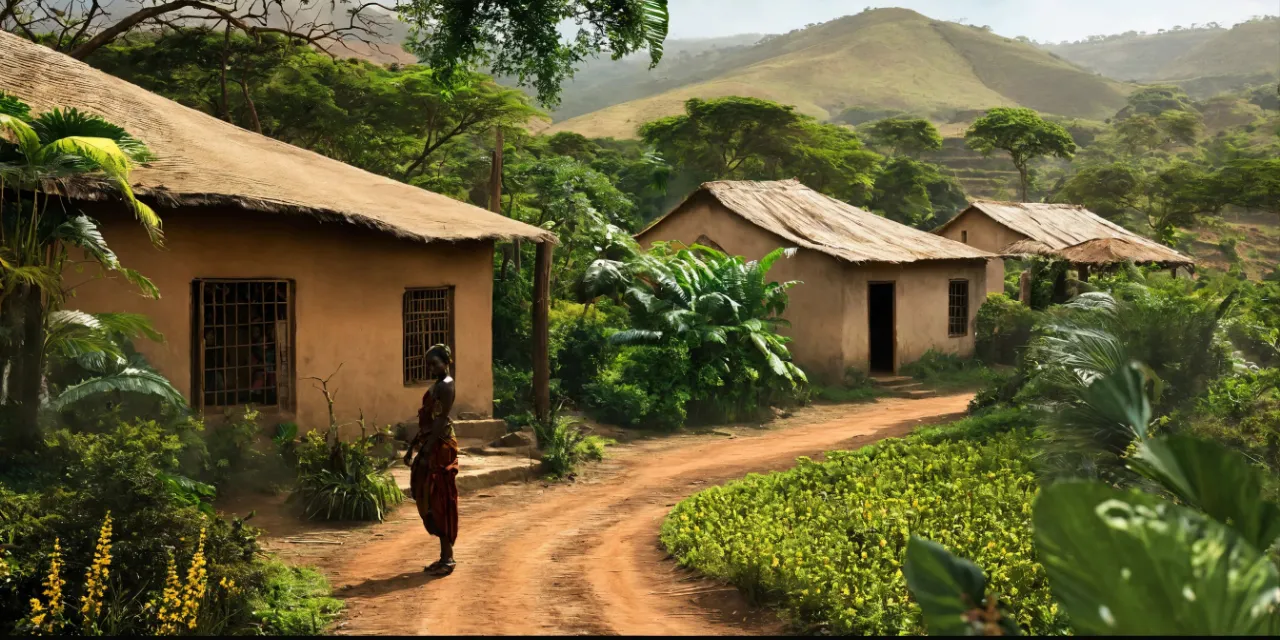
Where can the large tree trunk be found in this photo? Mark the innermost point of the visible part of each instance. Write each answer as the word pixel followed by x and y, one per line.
pixel 541 344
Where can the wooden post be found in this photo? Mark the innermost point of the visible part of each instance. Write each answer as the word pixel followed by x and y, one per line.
pixel 541 349
pixel 495 175
pixel 1024 287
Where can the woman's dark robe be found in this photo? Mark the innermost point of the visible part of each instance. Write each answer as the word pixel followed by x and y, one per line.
pixel 433 479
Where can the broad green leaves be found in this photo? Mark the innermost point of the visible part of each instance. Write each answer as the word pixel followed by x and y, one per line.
pixel 1207 476
pixel 951 592
pixel 1128 563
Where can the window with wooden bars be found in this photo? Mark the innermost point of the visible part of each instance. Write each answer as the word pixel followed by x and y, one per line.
pixel 428 321
pixel 958 308
pixel 242 344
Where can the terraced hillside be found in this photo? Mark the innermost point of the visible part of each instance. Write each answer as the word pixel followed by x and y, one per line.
pixel 989 177
pixel 880 58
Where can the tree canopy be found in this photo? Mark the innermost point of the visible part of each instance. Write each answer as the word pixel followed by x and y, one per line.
pixel 1024 135
pixel 904 136
pixel 523 38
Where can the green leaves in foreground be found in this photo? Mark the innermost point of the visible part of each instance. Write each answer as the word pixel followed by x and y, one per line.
pixel 952 593
pixel 1126 562
pixel 1222 483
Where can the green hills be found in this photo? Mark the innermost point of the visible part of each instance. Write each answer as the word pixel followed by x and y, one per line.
pixel 891 59
pixel 1204 61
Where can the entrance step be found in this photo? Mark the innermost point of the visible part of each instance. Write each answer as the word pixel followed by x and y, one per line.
pixel 903 387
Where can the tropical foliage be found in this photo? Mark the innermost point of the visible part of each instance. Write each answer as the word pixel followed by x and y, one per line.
pixel 710 323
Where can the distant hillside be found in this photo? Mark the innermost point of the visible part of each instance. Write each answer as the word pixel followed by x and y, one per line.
pixel 1204 61
pixel 881 58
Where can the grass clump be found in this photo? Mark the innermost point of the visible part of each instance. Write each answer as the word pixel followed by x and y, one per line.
pixel 947 371
pixel 294 601
pixel 565 445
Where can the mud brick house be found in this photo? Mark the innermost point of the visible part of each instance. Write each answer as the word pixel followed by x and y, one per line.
pixel 875 295
pixel 279 264
pixel 1016 229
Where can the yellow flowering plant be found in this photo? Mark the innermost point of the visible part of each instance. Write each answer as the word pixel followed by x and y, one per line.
pixel 95 580
pixel 828 540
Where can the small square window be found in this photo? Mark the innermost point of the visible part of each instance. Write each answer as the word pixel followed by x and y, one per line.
pixel 958 308
pixel 428 321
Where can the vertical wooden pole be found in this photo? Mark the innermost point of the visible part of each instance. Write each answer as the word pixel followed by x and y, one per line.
pixel 1024 287
pixel 541 333
pixel 495 174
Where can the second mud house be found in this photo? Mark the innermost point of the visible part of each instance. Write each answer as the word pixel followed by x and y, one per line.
pixel 1011 227
pixel 279 264
pixel 875 295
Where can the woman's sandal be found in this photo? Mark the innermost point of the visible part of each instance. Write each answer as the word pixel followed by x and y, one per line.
pixel 442 568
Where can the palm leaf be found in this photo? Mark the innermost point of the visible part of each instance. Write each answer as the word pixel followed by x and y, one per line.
pixel 73 123
pixel 130 380
pixel 656 22
pixel 22 134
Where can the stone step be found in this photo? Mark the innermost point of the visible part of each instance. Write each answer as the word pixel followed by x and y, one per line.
pixel 892 382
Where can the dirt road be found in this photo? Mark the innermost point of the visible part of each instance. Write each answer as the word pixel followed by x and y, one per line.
pixel 583 557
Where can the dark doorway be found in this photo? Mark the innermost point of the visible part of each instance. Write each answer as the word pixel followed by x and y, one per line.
pixel 880 314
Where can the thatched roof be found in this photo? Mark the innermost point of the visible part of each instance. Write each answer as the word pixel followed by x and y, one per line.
pixel 1105 251
pixel 814 221
pixel 1024 248
pixel 1059 226
pixel 205 161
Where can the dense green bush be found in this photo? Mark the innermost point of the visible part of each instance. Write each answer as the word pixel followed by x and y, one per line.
pixel 644 386
pixel 827 540
pixel 1242 412
pixel 1002 329
pixel 947 371
pixel 294 601
pixel 133 472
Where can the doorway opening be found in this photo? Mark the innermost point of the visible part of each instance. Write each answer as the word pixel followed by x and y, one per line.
pixel 881 326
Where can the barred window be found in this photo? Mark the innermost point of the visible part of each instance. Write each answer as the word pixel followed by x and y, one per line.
pixel 241 342
pixel 428 321
pixel 958 308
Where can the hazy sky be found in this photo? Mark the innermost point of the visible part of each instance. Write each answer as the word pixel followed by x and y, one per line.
pixel 1043 20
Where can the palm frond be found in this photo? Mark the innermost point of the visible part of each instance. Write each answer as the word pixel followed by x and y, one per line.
pixel 636 336
pixel 22 135
pixel 656 22
pixel 130 380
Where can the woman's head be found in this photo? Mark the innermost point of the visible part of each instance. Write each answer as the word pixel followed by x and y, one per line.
pixel 438 360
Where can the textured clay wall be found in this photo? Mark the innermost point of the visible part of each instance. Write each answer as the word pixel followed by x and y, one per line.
pixel 921 314
pixel 816 307
pixel 981 232
pixel 349 292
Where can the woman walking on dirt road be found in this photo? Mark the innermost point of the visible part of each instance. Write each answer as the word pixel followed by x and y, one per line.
pixel 434 473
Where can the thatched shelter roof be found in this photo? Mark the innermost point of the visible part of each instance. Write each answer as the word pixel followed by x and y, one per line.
pixel 1059 226
pixel 814 221
pixel 202 160
pixel 1023 248
pixel 1105 251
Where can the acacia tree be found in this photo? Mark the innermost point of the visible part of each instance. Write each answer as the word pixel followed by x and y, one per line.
pixel 1024 135
pixel 905 136
pixel 81 27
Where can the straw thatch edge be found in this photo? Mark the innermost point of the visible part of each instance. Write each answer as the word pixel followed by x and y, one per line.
pixel 100 191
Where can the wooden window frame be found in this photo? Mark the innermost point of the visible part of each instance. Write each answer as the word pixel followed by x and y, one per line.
pixel 411 375
pixel 957 325
pixel 285 350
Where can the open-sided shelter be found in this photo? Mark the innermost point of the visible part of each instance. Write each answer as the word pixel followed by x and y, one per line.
pixel 279 264
pixel 875 295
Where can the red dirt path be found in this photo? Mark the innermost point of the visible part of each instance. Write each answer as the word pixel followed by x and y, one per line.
pixel 583 557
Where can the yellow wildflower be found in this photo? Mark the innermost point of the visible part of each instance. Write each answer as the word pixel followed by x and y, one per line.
pixel 95 579
pixel 46 618
pixel 197 581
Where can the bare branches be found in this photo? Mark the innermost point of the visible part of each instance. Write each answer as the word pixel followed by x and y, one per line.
pixel 81 27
